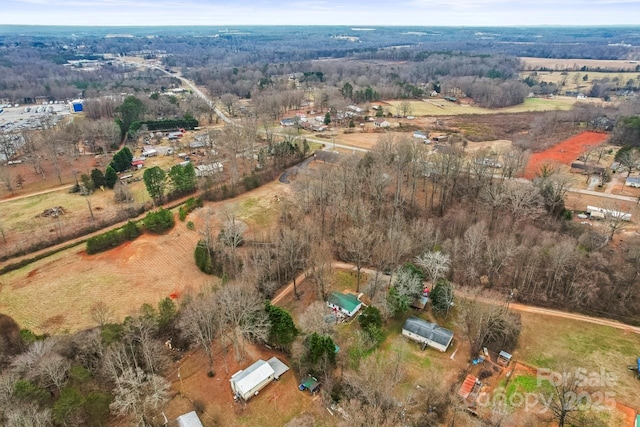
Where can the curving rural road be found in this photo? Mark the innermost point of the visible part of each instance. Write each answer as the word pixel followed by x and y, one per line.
pixel 514 306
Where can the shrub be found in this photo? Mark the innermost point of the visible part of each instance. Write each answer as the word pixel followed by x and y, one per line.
pixel 203 258
pixel 189 206
pixel 159 221
pixel 112 238
pixel 251 182
pixel 370 317
pixel 191 225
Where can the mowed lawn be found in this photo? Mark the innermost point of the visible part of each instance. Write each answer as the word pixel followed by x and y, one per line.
pixel 554 342
pixel 442 107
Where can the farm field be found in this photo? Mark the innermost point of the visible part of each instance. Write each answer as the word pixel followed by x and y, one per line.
pixel 564 153
pixel 143 271
pixel 575 64
pixel 442 107
pixel 557 77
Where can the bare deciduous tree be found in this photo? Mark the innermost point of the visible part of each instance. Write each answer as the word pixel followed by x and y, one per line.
pixel 138 394
pixel 101 313
pixel 198 322
pixel 242 316
pixel 435 264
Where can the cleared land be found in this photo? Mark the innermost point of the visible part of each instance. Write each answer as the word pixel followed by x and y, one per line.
pixel 546 343
pixel 442 107
pixel 573 80
pixel 575 64
pixel 565 152
pixel 55 294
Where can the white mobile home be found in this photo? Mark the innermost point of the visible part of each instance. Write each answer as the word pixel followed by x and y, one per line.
pixel 249 382
pixel 600 213
pixel 209 170
pixel 427 333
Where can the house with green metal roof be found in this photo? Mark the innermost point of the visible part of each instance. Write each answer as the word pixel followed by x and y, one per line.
pixel 347 304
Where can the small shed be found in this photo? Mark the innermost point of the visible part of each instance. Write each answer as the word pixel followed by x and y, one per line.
pixel 381 123
pixel 427 333
pixel 420 303
pixel 469 388
pixel 633 181
pixel 419 135
pixel 504 358
pixel 310 383
pixel 138 164
pixel 347 304
pixel 189 419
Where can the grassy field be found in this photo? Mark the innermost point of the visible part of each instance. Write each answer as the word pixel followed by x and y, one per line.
pixel 547 343
pixel 55 294
pixel 575 64
pixel 441 107
pixel 573 80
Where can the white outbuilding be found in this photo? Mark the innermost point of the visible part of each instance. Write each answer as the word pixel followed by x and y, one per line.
pixel 249 382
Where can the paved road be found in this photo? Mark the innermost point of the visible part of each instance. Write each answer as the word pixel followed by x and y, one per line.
pixel 513 306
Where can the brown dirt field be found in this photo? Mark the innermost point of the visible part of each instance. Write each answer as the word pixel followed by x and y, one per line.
pixel 275 405
pixel 564 152
pixel 575 64
pixel 34 182
pixel 55 294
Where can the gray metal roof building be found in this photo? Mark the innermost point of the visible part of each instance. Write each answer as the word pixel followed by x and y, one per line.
pixel 427 333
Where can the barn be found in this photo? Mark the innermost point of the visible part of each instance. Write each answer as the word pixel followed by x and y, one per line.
pixel 247 383
pixel 427 333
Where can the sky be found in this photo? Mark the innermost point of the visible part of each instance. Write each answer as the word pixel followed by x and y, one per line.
pixel 320 12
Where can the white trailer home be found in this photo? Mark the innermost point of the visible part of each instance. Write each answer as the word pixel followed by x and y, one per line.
pixel 427 333
pixel 249 382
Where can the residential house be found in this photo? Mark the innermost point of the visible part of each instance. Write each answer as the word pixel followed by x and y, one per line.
pixel 581 96
pixel 427 333
pixel 248 382
pixel 346 304
pixel 381 124
pixel 287 122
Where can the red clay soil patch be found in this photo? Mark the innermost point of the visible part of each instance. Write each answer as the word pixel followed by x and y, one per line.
pixel 33 272
pixel 565 152
pixel 174 295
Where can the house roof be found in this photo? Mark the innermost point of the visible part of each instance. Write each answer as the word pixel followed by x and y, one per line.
pixel 246 380
pixel 278 367
pixel 428 330
pixel 633 179
pixel 348 302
